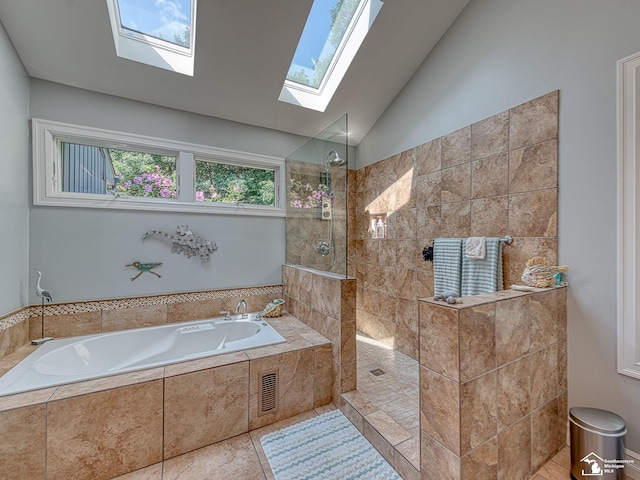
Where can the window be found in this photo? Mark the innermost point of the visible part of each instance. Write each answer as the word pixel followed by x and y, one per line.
pixel 167 20
pixel 334 31
pixel 87 167
pixel 223 183
pixel 160 33
pixel 141 174
pixel 100 170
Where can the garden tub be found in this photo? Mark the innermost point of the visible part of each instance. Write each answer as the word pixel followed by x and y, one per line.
pixel 69 360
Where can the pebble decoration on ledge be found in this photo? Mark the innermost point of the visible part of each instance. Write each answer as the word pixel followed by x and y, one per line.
pixel 185 242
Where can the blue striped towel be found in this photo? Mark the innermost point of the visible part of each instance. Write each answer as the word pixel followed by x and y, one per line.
pixel 447 265
pixel 483 276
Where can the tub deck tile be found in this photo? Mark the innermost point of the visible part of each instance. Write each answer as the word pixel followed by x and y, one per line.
pixel 11 360
pixel 26 399
pixel 107 383
pixel 204 364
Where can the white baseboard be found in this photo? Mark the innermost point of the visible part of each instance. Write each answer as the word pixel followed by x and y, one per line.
pixel 632 470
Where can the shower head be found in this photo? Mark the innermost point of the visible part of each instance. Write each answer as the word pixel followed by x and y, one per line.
pixel 334 160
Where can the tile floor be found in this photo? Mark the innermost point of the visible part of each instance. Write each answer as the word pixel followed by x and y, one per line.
pixel 395 392
pixel 242 458
pixel 239 457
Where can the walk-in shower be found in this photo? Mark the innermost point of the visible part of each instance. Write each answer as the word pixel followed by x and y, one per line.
pixel 317 176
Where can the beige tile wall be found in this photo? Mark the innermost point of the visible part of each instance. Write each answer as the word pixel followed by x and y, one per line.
pixel 493 384
pixel 326 303
pixel 493 178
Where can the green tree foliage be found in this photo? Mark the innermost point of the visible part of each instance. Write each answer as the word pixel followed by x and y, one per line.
pixel 341 15
pixel 184 39
pixel 299 76
pixel 219 182
pixel 146 175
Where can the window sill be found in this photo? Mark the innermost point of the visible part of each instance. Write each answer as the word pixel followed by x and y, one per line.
pixel 142 204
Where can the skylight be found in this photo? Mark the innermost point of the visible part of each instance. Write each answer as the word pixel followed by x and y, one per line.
pixel 160 33
pixel 334 31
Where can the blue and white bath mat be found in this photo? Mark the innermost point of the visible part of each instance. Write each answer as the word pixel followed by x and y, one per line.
pixel 325 447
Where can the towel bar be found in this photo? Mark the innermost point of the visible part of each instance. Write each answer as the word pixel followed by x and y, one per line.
pixel 427 252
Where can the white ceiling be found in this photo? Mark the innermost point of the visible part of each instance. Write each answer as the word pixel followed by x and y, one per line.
pixel 243 51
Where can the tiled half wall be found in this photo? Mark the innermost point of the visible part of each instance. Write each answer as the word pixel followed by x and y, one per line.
pixel 496 177
pixel 326 303
pixel 493 384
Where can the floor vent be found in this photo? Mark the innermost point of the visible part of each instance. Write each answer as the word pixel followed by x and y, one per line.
pixel 268 392
pixel 377 372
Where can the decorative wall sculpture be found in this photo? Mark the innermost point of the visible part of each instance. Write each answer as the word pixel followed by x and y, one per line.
pixel 185 242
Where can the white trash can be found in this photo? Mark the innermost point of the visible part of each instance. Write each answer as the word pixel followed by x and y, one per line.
pixel 597 444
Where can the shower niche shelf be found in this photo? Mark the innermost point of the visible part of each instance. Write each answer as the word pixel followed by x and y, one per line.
pixel 378 225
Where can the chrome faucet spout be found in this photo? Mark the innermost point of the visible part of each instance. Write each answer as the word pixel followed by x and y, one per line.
pixel 242 303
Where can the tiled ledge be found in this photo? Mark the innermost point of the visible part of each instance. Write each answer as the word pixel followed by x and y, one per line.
pixel 485 298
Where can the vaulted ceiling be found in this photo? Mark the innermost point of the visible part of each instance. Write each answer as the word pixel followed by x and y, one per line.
pixel 243 52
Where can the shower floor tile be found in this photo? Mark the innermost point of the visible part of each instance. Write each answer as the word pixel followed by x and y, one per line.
pixel 396 391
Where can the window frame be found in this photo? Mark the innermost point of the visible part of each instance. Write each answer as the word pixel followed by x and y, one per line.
pixel 47 134
pixel 628 216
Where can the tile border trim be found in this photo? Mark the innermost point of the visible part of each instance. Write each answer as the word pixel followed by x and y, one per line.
pixel 31 311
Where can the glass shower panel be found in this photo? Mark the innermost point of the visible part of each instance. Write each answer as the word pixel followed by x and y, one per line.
pixel 317 201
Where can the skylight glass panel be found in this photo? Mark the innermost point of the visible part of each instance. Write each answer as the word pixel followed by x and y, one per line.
pixel 322 34
pixel 168 20
pixel 333 33
pixel 160 33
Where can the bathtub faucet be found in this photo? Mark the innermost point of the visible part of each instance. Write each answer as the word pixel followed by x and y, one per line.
pixel 242 304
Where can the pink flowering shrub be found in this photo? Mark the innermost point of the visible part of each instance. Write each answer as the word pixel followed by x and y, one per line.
pixel 148 184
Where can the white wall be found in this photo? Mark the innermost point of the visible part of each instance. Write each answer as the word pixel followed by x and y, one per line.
pixel 498 54
pixel 82 252
pixel 14 206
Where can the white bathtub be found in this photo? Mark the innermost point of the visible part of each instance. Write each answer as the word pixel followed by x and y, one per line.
pixel 70 360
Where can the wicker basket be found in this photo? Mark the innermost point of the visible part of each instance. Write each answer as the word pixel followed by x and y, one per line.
pixel 273 309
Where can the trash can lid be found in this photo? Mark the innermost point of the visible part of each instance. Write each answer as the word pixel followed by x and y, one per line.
pixel 597 419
